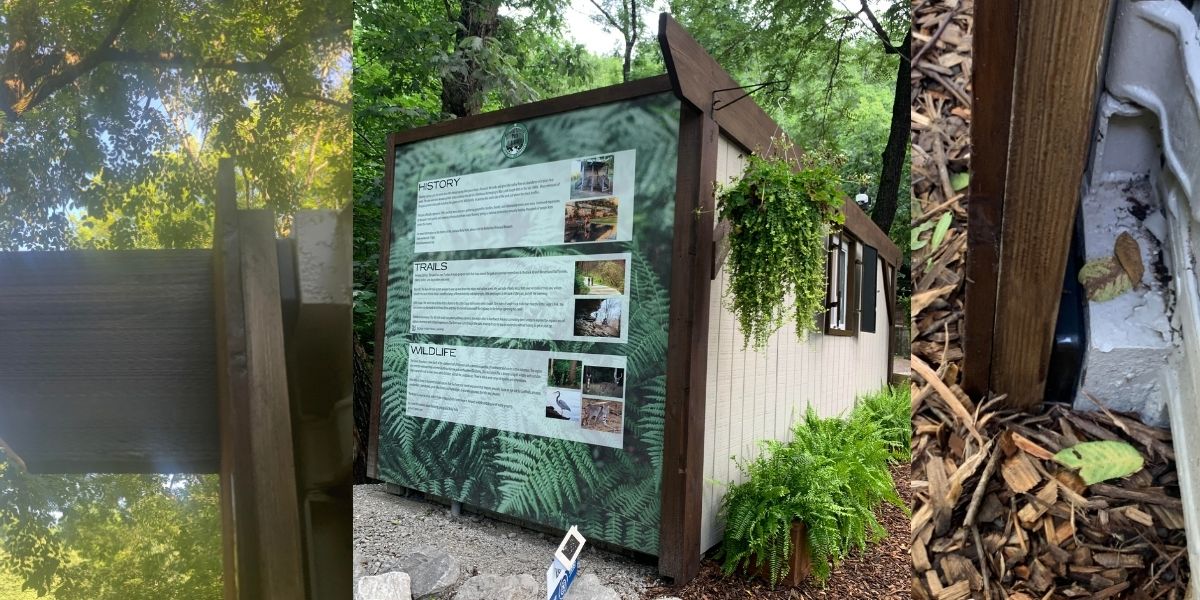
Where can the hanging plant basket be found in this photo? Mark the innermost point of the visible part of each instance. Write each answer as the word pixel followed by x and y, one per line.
pixel 780 217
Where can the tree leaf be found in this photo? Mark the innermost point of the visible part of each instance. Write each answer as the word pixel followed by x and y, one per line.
pixel 1104 279
pixel 1129 255
pixel 959 181
pixel 943 226
pixel 917 243
pixel 1101 461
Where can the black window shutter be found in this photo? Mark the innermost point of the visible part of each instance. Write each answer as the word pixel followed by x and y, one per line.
pixel 870 262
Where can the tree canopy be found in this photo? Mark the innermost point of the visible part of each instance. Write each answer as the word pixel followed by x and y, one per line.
pixel 113 116
pixel 114 110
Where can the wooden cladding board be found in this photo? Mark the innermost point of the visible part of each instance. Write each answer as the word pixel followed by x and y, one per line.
pixel 107 361
pixel 1058 60
pixel 752 396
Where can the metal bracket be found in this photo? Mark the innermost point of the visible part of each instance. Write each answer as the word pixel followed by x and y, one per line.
pixel 750 89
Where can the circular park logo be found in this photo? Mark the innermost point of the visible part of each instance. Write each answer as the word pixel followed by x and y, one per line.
pixel 516 139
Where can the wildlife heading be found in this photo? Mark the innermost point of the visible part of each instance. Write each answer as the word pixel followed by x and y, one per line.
pixel 432 350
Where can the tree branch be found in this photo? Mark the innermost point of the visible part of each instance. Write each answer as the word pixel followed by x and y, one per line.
pixel 106 52
pixel 607 16
pixel 888 47
pixel 62 76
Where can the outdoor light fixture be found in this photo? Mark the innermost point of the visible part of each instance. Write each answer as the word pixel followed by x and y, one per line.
pixel 862 199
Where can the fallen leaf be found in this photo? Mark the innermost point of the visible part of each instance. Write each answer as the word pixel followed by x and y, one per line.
pixel 1101 461
pixel 1103 279
pixel 1130 256
pixel 943 226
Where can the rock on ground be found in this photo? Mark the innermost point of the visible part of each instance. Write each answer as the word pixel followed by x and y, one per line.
pixel 588 587
pixel 497 587
pixel 432 570
pixel 389 586
pixel 388 527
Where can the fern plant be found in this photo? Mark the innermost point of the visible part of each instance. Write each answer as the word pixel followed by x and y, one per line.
pixel 832 476
pixel 780 217
pixel 890 409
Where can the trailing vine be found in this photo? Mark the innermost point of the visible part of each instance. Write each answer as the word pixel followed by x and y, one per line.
pixel 779 218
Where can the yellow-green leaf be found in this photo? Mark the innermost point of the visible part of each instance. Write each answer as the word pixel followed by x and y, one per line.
pixel 1104 279
pixel 943 226
pixel 960 181
pixel 1101 461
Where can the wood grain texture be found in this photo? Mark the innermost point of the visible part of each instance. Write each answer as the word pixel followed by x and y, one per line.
pixel 107 361
pixel 994 54
pixel 687 335
pixel 1055 85
pixel 260 510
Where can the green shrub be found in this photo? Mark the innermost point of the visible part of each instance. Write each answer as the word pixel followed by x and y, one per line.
pixel 890 409
pixel 832 476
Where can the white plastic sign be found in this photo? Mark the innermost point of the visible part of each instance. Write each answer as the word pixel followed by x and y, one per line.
pixel 562 571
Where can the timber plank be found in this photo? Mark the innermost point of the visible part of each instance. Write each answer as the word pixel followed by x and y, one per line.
pixel 1057 77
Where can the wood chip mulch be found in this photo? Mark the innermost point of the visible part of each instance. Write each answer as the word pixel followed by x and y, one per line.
pixel 880 572
pixel 994 516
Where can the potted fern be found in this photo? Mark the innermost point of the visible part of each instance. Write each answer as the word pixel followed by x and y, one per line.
pixel 807 504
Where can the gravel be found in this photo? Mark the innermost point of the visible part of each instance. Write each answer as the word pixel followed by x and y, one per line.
pixel 387 527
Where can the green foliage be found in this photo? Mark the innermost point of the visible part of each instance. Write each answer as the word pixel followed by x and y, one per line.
pixel 565 373
pixel 137 132
pixel 779 220
pixel 832 476
pixel 111 537
pixel 1101 461
pixel 890 410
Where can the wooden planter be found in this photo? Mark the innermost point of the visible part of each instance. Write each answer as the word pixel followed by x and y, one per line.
pixel 799 560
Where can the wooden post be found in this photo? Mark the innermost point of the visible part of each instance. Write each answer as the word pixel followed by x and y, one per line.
pixel 1053 94
pixel 683 437
pixel 320 385
pixel 260 510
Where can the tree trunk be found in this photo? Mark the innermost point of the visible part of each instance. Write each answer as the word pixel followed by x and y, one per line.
pixel 462 93
pixel 888 195
pixel 631 38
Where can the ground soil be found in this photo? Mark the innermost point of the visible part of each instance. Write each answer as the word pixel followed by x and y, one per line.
pixel 882 572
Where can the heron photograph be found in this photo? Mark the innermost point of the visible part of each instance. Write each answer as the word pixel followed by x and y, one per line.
pixel 565 405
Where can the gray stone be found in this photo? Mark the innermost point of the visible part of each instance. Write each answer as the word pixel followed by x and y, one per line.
pixel 432 570
pixel 360 566
pixel 497 587
pixel 389 586
pixel 588 587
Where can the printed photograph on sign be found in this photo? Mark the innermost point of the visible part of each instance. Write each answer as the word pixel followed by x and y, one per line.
pixel 564 373
pixel 600 277
pixel 563 405
pixel 604 381
pixel 598 318
pixel 591 221
pixel 593 177
pixel 602 415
